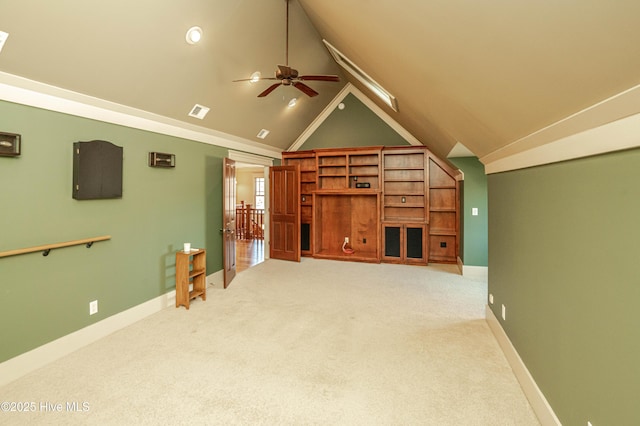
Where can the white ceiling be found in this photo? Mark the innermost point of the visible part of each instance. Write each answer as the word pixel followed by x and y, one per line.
pixel 483 75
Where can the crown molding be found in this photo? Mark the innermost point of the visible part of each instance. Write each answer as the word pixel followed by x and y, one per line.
pixel 610 125
pixel 32 93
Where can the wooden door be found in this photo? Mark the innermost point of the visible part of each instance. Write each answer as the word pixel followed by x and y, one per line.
pixel 284 189
pixel 229 220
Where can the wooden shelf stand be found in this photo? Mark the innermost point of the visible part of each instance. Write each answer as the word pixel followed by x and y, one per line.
pixel 191 272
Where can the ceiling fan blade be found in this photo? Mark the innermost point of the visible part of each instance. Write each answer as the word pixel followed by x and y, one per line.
pixel 269 90
pixel 250 79
pixel 320 77
pixel 305 89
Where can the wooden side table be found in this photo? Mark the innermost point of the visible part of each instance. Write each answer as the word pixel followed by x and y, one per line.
pixel 191 269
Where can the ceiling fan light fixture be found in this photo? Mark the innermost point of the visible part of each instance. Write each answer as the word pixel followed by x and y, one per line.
pixel 255 77
pixel 194 35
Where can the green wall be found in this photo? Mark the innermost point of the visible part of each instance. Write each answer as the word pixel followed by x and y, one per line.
pixel 44 298
pixel 564 244
pixel 474 245
pixel 354 126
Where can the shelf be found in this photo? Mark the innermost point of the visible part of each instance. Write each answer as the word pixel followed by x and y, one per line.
pixel 396 219
pixel 347 191
pixel 359 256
pixel 434 209
pixel 404 193
pixel 195 273
pixel 326 165
pixel 449 232
pixel 404 168
pixel 405 205
pixel 195 293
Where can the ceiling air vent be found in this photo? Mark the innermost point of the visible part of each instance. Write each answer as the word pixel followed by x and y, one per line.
pixel 199 111
pixel 263 133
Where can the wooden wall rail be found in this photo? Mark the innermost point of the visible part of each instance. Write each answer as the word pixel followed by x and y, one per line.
pixel 45 249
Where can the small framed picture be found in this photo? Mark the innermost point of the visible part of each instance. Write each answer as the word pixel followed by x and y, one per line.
pixel 9 144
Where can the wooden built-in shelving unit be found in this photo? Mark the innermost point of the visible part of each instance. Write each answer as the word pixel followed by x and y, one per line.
pixel 395 204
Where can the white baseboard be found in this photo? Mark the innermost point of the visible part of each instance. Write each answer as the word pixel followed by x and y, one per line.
pixel 27 362
pixel 216 279
pixel 538 402
pixel 473 272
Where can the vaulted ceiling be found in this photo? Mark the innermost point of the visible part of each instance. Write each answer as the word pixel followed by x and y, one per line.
pixel 485 74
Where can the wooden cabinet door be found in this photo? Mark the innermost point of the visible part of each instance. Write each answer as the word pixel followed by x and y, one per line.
pixel 284 184
pixel 404 243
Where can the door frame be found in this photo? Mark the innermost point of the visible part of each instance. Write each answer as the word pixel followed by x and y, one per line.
pixel 265 162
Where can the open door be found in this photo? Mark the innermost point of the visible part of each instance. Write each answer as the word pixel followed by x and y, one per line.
pixel 284 190
pixel 229 220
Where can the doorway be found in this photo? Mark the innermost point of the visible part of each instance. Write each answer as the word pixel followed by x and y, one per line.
pixel 251 218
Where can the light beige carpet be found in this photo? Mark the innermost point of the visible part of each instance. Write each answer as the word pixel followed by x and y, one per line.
pixel 317 342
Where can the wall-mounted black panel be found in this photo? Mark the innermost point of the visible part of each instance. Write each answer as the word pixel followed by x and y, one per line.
pixel 97 170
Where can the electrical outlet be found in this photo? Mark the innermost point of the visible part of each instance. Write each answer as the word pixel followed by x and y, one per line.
pixel 346 240
pixel 504 313
pixel 474 211
pixel 93 307
pixel 491 298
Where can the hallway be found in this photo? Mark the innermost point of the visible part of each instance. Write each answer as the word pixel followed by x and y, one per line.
pixel 248 253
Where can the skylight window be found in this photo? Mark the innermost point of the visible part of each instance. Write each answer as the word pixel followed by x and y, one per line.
pixel 362 76
pixel 3 39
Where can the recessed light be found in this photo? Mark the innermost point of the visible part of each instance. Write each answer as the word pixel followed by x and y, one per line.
pixel 292 102
pixel 194 35
pixel 263 133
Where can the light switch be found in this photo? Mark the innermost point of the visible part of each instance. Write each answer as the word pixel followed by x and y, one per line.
pixel 474 211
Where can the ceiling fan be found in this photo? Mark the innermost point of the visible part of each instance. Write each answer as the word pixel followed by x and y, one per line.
pixel 287 76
